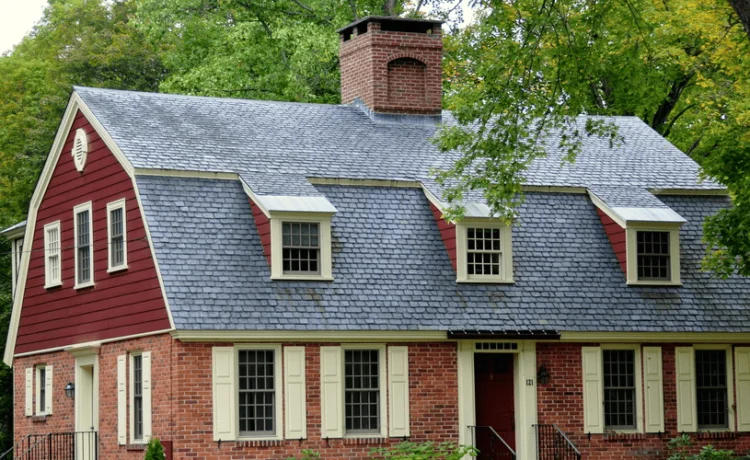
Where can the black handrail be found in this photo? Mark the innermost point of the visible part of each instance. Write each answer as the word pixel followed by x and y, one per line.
pixel 553 444
pixel 57 446
pixel 491 452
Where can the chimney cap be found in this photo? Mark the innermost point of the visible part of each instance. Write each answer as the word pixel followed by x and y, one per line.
pixel 416 23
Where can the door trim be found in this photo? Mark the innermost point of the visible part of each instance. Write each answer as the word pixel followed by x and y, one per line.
pixel 81 362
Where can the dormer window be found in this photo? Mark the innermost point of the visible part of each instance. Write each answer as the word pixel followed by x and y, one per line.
pixel 484 252
pixel 301 248
pixel 653 254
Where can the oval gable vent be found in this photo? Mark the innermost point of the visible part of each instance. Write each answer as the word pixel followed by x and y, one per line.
pixel 80 149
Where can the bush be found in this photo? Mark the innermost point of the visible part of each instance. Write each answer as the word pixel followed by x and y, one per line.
pixel 155 451
pixel 307 454
pixel 425 451
pixel 682 445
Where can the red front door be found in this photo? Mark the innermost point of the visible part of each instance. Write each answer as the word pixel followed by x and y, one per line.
pixel 493 385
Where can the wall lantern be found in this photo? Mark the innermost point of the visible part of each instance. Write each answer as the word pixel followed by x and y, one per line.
pixel 543 376
pixel 70 390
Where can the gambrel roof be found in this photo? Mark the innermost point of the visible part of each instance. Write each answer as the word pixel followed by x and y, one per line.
pixel 391 270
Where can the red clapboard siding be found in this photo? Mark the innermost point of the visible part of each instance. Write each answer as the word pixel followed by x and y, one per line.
pixel 616 235
pixel 447 233
pixel 264 229
pixel 123 303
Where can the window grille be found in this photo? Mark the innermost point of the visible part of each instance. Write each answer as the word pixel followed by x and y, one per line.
pixel 138 397
pixel 301 247
pixel 711 388
pixel 496 346
pixel 83 247
pixel 53 254
pixel 42 389
pixel 257 392
pixel 362 390
pixel 653 255
pixel 483 251
pixel 117 237
pixel 619 388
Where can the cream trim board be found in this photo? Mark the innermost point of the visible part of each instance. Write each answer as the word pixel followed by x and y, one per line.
pixel 309 336
pixel 689 192
pixel 111 207
pixel 631 248
pixel 656 337
pixel 219 175
pixel 278 383
pixel 364 182
pixel 382 386
pixel 50 280
pixel 599 203
pixel 730 384
pixel 77 210
pixel 506 251
pixel 277 251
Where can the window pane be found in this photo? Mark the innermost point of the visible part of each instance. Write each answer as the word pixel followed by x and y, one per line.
pixel 257 392
pixel 42 389
pixel 300 247
pixel 711 388
pixel 362 390
pixel 619 388
pixel 653 255
pixel 138 397
pixel 483 255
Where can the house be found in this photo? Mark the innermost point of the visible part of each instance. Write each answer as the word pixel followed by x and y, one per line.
pixel 248 279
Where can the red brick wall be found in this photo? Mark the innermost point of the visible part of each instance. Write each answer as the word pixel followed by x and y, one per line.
pixel 183 407
pixel 561 402
pixel 367 72
pixel 122 303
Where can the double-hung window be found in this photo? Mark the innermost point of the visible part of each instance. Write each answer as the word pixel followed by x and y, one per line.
pixel 362 391
pixel 483 252
pixel 136 362
pixel 619 389
pixel 301 248
pixel 52 261
pixel 257 392
pixel 39 394
pixel 711 388
pixel 84 254
pixel 116 233
pixel 41 389
pixel 134 398
pixel 653 256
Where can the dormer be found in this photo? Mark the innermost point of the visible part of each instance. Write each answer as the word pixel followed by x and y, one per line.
pixel 295 232
pixel 480 245
pixel 16 235
pixel 644 233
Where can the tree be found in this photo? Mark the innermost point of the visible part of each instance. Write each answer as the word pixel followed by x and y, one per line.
pixel 529 67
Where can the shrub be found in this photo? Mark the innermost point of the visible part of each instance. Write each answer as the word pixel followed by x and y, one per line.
pixel 424 451
pixel 307 454
pixel 155 451
pixel 681 446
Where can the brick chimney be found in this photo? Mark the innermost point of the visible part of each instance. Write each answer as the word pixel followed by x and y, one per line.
pixel 392 65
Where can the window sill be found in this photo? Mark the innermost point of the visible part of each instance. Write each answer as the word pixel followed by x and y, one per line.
pixel 655 283
pixel 84 285
pixel 266 438
pixel 716 433
pixel 624 435
pixel 485 281
pixel 39 418
pixel 375 438
pixel 117 269
pixel 53 285
pixel 135 446
pixel 302 278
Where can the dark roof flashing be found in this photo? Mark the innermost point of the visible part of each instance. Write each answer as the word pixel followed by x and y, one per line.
pixel 397 118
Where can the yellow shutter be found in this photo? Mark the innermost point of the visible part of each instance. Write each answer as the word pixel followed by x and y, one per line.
pixel 29 391
pixel 295 395
pixel 685 374
pixel 48 390
pixel 225 408
pixel 652 377
pixel 398 391
pixel 593 401
pixel 742 370
pixel 146 393
pixel 331 393
pixel 122 405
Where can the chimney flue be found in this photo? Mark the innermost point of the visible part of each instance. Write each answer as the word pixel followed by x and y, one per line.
pixel 392 65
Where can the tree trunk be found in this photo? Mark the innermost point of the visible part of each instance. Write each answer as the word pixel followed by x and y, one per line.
pixel 742 8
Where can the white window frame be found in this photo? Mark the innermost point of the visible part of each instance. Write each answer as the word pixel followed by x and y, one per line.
pixel 77 210
pixel 631 247
pixel 277 248
pixel 382 383
pixel 506 251
pixel 639 428
pixel 113 206
pixel 49 281
pixel 730 386
pixel 131 396
pixel 38 390
pixel 278 385
pixel 17 250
